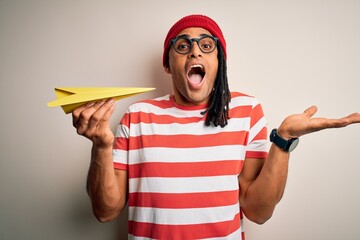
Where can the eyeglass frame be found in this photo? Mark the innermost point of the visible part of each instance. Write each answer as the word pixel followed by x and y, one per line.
pixel 191 40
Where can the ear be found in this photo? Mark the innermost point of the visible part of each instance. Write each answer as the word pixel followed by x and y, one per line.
pixel 167 70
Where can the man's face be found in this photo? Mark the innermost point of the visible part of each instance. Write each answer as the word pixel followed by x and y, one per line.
pixel 194 73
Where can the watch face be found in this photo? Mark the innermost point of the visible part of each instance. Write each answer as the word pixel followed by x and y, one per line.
pixel 294 144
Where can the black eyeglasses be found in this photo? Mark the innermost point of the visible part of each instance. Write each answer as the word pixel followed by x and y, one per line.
pixel 183 45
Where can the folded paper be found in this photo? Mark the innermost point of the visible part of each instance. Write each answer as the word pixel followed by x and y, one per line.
pixel 70 98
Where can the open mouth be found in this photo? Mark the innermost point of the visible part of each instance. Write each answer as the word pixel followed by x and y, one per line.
pixel 196 74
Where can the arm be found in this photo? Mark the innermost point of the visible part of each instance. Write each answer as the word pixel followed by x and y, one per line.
pixel 262 182
pixel 107 187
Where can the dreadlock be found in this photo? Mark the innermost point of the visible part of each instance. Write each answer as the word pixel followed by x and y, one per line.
pixel 218 110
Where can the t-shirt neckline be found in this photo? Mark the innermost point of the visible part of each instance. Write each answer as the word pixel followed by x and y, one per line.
pixel 182 107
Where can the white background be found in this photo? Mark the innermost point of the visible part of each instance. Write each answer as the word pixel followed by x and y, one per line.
pixel 289 54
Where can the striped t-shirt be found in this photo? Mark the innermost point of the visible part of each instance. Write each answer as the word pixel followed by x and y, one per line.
pixel 183 175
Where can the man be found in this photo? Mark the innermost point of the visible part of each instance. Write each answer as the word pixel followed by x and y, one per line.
pixel 191 163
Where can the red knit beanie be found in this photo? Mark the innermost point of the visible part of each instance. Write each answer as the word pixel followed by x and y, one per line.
pixel 193 21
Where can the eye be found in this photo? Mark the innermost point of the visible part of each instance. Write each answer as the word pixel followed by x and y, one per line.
pixel 182 45
pixel 207 44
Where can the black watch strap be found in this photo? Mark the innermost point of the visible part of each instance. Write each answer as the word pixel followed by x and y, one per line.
pixel 286 145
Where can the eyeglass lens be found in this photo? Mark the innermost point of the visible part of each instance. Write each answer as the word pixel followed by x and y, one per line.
pixel 184 45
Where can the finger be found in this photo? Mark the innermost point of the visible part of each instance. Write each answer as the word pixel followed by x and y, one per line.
pixel 106 117
pixel 109 108
pixel 103 125
pixel 345 121
pixel 324 123
pixel 354 118
pixel 83 122
pixel 310 111
pixel 77 112
pixel 100 115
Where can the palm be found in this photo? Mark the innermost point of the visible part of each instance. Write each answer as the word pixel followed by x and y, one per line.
pixel 300 124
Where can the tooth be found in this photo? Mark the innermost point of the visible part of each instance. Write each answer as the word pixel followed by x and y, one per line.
pixel 193 66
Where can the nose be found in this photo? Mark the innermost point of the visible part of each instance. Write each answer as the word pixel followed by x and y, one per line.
pixel 195 51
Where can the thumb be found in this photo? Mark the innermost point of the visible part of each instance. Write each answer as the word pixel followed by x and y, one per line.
pixel 310 111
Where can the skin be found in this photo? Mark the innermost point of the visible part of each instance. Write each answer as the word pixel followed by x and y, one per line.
pixel 261 182
pixel 106 186
pixel 185 92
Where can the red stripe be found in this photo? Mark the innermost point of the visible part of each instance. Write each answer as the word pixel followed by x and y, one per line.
pixel 253 154
pixel 239 94
pixel 125 120
pixel 183 200
pixel 191 169
pixel 240 112
pixel 121 143
pixel 181 232
pixel 188 141
pixel 141 117
pixel 164 104
pixel 262 135
pixel 137 117
pixel 120 166
pixel 256 115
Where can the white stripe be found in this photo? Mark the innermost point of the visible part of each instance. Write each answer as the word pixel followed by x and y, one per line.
pixel 197 128
pixel 183 216
pixel 257 128
pixel 233 236
pixel 184 185
pixel 201 154
pixel 258 146
pixel 122 131
pixel 174 111
pixel 166 98
pixel 132 237
pixel 242 226
pixel 120 156
pixel 243 101
pixel 235 101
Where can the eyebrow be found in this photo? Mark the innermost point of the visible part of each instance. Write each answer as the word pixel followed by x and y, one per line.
pixel 201 35
pixel 184 35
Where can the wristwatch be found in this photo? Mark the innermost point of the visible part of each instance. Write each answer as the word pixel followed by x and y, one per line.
pixel 286 145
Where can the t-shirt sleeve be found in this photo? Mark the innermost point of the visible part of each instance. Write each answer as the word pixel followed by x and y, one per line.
pixel 121 144
pixel 257 143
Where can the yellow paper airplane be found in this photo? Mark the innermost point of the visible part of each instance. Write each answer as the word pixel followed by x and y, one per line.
pixel 70 98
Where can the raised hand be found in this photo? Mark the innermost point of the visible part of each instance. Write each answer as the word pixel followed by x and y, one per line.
pixel 297 125
pixel 92 121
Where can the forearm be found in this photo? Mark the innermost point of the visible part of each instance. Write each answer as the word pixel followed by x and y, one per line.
pixel 102 185
pixel 261 190
pixel 259 199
